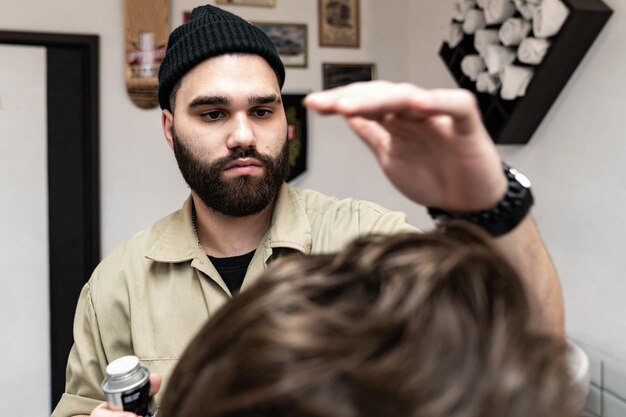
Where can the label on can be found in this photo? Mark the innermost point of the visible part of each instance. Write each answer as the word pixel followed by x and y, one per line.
pixel 138 400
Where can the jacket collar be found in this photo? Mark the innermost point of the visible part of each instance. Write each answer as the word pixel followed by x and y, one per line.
pixel 290 228
pixel 178 242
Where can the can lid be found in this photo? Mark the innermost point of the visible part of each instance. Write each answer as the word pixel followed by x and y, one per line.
pixel 122 366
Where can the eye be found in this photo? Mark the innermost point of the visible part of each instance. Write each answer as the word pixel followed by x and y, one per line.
pixel 212 115
pixel 261 113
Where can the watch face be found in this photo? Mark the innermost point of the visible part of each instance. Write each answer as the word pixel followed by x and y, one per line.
pixel 521 178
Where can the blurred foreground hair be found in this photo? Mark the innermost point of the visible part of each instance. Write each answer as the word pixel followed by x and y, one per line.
pixel 411 325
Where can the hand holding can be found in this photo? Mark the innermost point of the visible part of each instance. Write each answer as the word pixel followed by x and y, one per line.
pixel 127 387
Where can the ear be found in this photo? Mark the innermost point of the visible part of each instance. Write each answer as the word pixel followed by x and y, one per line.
pixel 167 122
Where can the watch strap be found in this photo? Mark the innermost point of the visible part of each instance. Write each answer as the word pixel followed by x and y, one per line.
pixel 508 212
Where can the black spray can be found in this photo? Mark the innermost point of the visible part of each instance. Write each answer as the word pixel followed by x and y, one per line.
pixel 127 387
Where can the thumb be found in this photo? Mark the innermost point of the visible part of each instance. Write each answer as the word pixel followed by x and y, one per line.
pixel 370 131
pixel 155 383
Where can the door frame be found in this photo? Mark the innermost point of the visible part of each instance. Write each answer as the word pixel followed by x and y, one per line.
pixel 73 128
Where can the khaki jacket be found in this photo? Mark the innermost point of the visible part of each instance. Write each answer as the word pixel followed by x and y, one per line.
pixel 153 292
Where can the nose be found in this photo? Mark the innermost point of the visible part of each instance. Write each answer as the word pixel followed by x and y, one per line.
pixel 242 134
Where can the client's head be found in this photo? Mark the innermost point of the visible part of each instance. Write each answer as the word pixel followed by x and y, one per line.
pixel 429 325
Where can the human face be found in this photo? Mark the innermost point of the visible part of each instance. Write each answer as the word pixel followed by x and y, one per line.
pixel 228 132
pixel 239 196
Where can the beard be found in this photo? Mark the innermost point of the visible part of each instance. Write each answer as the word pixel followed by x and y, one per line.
pixel 241 196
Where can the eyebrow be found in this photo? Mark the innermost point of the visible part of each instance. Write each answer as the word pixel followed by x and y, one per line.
pixel 269 99
pixel 209 101
pixel 226 101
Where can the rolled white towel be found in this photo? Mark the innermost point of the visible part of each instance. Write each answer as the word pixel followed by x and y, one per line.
pixel 460 7
pixel 487 83
pixel 532 50
pixel 474 20
pixel 513 30
pixel 497 56
pixel 454 35
pixel 525 8
pixel 515 80
pixel 548 18
pixel 484 37
pixel 497 11
pixel 472 65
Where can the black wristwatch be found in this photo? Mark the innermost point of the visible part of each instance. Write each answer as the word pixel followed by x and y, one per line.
pixel 506 215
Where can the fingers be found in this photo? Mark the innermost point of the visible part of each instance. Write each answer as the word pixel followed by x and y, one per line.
pixel 459 104
pixel 373 100
pixel 370 99
pixel 372 133
pixel 103 411
pixel 155 383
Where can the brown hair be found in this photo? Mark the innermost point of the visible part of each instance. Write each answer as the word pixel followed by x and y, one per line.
pixel 432 325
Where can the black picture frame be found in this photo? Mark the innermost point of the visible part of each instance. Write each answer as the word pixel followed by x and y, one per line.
pixel 73 130
pixel 297 133
pixel 290 40
pixel 339 74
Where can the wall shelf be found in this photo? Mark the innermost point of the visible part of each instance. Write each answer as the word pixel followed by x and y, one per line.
pixel 515 121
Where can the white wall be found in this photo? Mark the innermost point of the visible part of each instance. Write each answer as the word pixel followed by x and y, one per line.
pixel 24 314
pixel 575 158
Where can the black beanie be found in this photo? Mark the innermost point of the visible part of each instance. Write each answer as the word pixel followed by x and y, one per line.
pixel 210 32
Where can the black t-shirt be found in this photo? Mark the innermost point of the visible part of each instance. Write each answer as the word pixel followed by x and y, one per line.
pixel 233 269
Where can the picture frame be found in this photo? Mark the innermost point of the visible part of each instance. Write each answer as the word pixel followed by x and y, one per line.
pixel 256 3
pixel 290 40
pixel 297 132
pixel 339 74
pixel 339 23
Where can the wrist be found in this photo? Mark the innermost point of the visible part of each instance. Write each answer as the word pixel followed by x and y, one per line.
pixel 505 215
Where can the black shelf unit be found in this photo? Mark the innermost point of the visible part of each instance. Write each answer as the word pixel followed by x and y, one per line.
pixel 515 121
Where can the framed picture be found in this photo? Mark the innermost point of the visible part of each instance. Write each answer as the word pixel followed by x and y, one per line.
pixel 290 40
pixel 296 133
pixel 339 23
pixel 336 75
pixel 261 3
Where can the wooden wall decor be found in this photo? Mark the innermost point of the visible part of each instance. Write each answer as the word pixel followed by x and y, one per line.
pixel 515 121
pixel 146 34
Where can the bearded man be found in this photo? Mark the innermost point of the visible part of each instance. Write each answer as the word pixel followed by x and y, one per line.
pixel 220 93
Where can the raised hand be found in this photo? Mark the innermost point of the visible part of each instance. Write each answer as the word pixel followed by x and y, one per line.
pixel 431 144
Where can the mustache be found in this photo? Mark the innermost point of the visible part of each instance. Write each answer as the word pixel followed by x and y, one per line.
pixel 240 153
